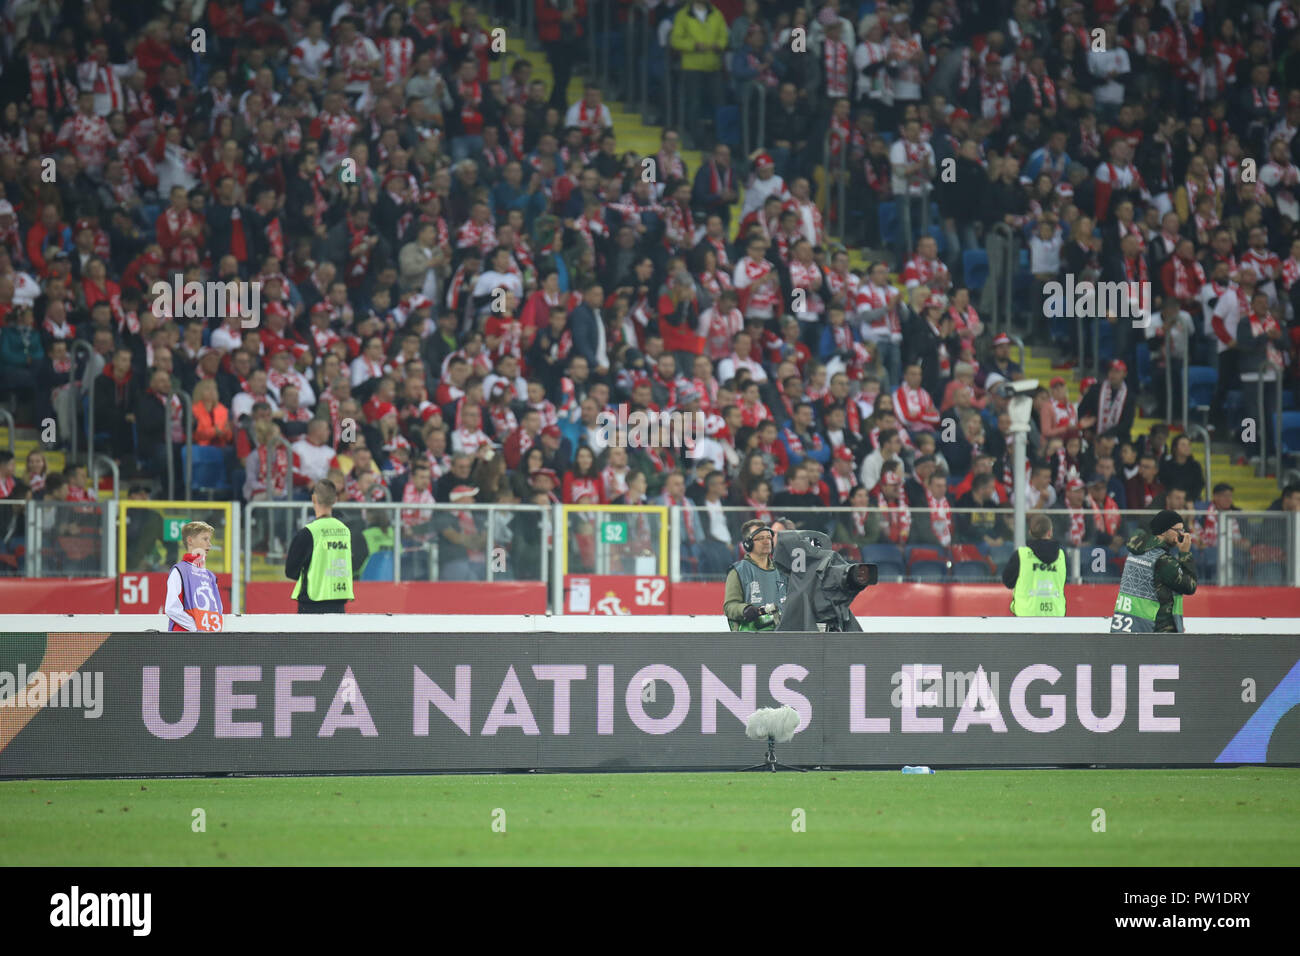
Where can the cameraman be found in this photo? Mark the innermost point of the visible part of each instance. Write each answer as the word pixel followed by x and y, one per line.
pixel 1158 573
pixel 754 582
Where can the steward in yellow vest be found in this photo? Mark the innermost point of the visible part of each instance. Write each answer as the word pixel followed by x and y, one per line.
pixel 1036 574
pixel 323 557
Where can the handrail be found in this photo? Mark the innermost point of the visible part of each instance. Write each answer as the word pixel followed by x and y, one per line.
pixel 668 83
pixel 1265 374
pixel 79 346
pixel 830 190
pixel 598 51
pixel 265 474
pixel 1194 430
pixel 11 428
pixel 1001 304
pixel 189 441
pixel 95 461
pixel 1020 346
pixel 638 27
pixel 753 142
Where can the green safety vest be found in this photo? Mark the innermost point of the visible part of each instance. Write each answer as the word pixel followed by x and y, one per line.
pixel 1040 588
pixel 759 587
pixel 329 575
pixel 1138 604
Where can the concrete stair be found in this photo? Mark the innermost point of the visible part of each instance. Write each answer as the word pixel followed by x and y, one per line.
pixel 24 445
pixel 1252 493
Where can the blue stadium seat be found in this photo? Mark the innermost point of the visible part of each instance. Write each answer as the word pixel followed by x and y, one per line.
pixel 1143 364
pixel 971 571
pixel 887 557
pixel 1106 339
pixel 209 473
pixel 1201 380
pixel 891 231
pixel 379 567
pixel 727 125
pixel 1270 575
pixel 1290 432
pixel 975 268
pixel 928 571
pixel 882 554
pixel 940 240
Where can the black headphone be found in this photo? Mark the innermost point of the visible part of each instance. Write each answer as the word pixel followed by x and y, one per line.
pixel 748 543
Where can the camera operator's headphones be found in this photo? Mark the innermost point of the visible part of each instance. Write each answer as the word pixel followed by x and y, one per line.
pixel 748 542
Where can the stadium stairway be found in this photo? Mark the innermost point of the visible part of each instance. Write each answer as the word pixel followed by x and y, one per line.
pixel 25 442
pixel 1251 493
pixel 629 129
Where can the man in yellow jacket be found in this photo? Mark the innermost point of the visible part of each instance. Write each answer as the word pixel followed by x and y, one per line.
pixel 699 38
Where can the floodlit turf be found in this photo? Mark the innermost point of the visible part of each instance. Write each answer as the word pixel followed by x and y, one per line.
pixel 1247 817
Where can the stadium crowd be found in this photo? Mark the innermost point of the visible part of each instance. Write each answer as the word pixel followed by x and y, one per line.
pixel 469 269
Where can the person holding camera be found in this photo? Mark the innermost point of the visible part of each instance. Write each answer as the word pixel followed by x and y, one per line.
pixel 755 591
pixel 1159 572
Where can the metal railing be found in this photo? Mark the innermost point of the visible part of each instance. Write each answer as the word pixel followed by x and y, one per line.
pixel 99 459
pixel 840 183
pixel 639 32
pixel 598 50
pixel 1260 548
pixel 497 557
pixel 1194 431
pixel 189 446
pixel 62 540
pixel 1257 548
pixel 753 125
pixel 12 430
pixel 1267 375
pixel 79 346
pixel 1003 309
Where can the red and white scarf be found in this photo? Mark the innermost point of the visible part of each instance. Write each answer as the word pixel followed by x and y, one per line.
pixel 398 53
pixel 1110 406
pixel 1043 89
pixel 835 68
pixel 940 517
pixel 1188 279
pixel 277 484
pixel 899 518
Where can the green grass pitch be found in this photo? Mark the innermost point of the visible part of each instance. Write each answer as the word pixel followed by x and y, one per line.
pixel 1246 817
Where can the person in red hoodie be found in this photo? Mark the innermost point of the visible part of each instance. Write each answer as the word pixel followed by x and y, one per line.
pixel 45 236
pixel 153 53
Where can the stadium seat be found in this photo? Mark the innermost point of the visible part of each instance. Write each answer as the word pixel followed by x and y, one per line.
pixel 969 552
pixel 891 227
pixel 975 268
pixel 940 240
pixel 1268 575
pixel 727 125
pixel 928 571
pixel 1201 380
pixel 209 475
pixel 971 571
pixel 887 557
pixel 1290 432
pixel 379 567
pixel 1143 364
pixel 922 553
pixel 1106 341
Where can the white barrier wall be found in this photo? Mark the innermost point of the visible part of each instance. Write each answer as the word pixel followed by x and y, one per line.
pixel 598 624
